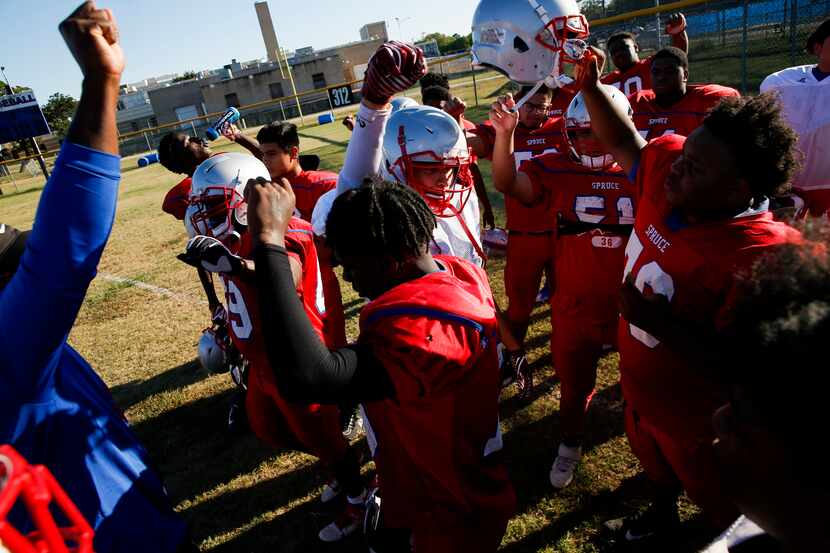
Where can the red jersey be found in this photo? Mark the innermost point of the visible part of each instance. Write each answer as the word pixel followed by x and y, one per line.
pixel 694 266
pixel 654 121
pixel 527 143
pixel 176 201
pixel 308 187
pixel 437 437
pixel 588 261
pixel 632 80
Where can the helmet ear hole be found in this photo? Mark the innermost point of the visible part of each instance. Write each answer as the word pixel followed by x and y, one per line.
pixel 520 45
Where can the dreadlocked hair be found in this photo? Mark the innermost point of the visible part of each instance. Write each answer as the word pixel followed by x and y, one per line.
pixel 380 218
pixel 763 145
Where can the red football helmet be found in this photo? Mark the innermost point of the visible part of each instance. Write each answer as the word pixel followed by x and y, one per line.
pixel 39 491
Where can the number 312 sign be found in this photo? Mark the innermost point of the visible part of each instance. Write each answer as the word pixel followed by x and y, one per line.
pixel 341 96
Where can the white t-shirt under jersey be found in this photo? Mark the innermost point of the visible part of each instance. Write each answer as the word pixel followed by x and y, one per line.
pixel 449 237
pixel 806 102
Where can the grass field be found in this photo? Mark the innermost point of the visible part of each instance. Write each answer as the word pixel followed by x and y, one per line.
pixel 238 494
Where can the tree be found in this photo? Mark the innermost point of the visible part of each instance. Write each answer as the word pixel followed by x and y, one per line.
pixel 185 77
pixel 448 44
pixel 58 112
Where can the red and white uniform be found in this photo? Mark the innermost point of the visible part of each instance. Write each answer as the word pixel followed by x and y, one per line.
pixel 632 80
pixel 308 187
pixel 177 199
pixel 530 242
pixel 805 100
pixel 653 121
pixel 438 439
pixel 560 102
pixel 591 208
pixel 311 428
pixel 669 400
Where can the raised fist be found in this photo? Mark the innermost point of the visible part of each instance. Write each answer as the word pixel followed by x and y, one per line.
pixel 392 69
pixel 676 24
pixel 92 37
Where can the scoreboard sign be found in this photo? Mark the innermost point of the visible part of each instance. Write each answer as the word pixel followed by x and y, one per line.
pixel 21 117
pixel 341 96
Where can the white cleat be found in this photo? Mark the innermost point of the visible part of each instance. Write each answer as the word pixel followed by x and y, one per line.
pixel 562 471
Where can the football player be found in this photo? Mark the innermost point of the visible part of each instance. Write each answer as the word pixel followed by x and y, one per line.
pixel 530 229
pixel 224 246
pixel 181 154
pixel 765 433
pixel 672 106
pixel 435 92
pixel 633 74
pixel 805 94
pixel 591 201
pixel 702 216
pixel 424 367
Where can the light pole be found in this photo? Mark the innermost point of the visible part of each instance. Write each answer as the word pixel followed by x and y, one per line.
pixel 400 20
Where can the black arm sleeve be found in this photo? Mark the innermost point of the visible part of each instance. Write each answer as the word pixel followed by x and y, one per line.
pixel 304 369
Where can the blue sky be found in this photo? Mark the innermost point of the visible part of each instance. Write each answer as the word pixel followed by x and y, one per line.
pixel 172 36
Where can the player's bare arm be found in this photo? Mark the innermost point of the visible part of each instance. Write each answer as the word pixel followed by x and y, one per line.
pixel 92 37
pixel 232 133
pixel 676 29
pixel 506 178
pixel 613 128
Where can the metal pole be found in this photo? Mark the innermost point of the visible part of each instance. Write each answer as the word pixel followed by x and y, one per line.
pixel 659 26
pixel 475 86
pixel 193 126
pixel 793 16
pixel 40 159
pixel 282 109
pixel 293 88
pixel 744 84
pixel 331 107
pixel 147 138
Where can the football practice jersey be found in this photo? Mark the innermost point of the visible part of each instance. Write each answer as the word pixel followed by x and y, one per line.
pixel 694 267
pixel 593 209
pixel 308 186
pixel 437 438
pixel 632 80
pixel 455 235
pixel 806 103
pixel 527 143
pixel 653 121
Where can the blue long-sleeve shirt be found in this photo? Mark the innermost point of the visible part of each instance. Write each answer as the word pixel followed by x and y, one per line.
pixel 54 409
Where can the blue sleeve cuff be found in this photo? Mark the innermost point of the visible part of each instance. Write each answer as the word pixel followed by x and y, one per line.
pixel 91 161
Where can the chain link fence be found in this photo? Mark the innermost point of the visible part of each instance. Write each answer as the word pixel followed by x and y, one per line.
pixel 731 43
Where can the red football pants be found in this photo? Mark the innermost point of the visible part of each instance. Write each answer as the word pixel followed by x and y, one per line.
pixel 314 429
pixel 577 344
pixel 670 464
pixel 451 535
pixel 528 256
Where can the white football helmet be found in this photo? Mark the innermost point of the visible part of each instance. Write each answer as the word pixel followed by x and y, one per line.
pixel 577 117
pixel 213 353
pixel 218 194
pixel 422 137
pixel 321 212
pixel 529 41
pixel 402 102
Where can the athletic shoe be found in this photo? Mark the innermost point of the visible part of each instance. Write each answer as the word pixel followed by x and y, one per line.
pixel 655 520
pixel 349 521
pixel 562 471
pixel 330 491
pixel 237 417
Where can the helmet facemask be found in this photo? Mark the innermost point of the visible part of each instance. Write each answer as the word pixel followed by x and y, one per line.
pixel 564 36
pixel 597 162
pixel 447 200
pixel 220 212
